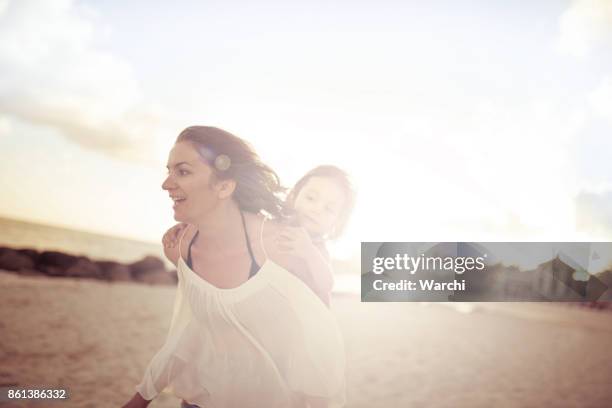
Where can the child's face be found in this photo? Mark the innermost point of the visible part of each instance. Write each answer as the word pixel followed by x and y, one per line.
pixel 318 205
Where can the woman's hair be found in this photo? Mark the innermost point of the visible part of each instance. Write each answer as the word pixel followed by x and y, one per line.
pixel 230 157
pixel 342 179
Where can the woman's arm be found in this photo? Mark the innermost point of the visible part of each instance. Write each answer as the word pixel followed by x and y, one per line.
pixel 164 367
pixel 137 402
pixel 159 373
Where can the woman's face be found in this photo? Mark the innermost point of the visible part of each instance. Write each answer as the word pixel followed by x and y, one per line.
pixel 318 205
pixel 189 184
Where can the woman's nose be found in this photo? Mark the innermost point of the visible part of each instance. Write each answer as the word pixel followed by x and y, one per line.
pixel 168 184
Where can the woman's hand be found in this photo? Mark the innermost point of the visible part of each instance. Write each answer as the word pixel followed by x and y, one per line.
pixel 171 237
pixel 137 402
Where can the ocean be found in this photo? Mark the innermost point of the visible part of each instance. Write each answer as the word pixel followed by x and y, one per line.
pixel 23 234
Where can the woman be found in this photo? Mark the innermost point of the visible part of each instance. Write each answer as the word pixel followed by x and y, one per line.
pixel 245 332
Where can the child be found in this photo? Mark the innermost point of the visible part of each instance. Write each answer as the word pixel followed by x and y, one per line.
pixel 318 206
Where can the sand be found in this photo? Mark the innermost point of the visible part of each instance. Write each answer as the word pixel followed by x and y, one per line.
pixel 95 339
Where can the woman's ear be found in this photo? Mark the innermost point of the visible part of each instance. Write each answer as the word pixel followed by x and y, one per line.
pixel 225 188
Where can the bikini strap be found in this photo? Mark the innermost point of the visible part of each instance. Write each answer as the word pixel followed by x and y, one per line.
pixel 181 240
pixel 254 265
pixel 246 236
pixel 261 237
pixel 189 262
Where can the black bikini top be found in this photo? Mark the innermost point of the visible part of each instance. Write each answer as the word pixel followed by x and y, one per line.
pixel 254 267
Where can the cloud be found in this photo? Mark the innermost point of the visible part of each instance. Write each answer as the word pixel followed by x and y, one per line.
pixel 600 100
pixel 54 75
pixel 592 145
pixel 584 25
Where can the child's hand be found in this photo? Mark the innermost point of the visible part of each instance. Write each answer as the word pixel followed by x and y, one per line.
pixel 171 237
pixel 295 240
pixel 316 271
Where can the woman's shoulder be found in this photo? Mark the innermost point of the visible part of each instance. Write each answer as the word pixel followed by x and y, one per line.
pixel 186 236
pixel 271 226
pixel 173 253
pixel 262 226
pixel 268 231
pixel 271 230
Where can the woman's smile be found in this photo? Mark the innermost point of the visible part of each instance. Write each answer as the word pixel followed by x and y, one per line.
pixel 178 201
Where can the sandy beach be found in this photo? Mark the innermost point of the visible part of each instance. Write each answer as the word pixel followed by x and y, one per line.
pixel 95 338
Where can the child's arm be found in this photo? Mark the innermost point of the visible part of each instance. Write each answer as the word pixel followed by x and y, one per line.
pixel 321 269
pixel 318 272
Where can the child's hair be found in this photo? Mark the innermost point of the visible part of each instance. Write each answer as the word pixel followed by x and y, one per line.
pixel 343 180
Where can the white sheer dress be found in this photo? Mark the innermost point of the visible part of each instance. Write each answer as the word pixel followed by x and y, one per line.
pixel 265 343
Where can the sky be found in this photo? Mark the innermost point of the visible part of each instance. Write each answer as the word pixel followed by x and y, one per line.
pixel 491 121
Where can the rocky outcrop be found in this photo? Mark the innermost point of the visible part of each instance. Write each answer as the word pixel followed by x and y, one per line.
pixel 54 263
pixel 150 269
pixel 147 265
pixel 114 271
pixel 16 261
pixel 84 268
